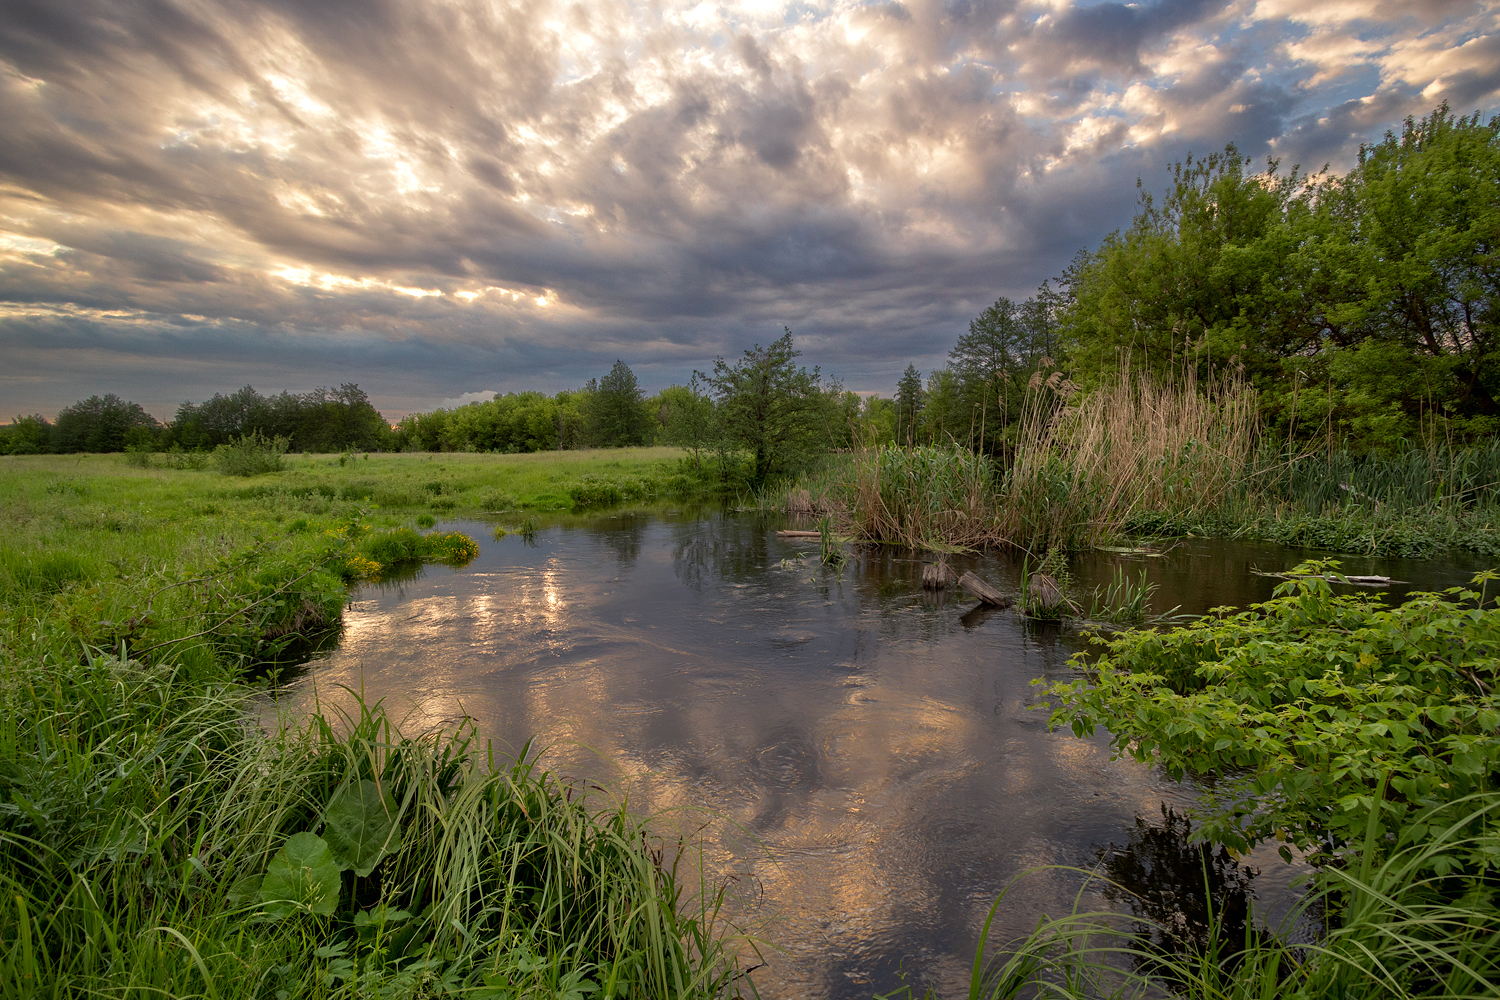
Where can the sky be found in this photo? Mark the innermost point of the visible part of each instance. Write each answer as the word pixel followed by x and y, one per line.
pixel 441 199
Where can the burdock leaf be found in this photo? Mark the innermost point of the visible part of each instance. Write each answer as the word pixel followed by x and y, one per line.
pixel 302 875
pixel 361 827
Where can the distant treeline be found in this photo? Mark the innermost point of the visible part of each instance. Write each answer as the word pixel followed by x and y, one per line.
pixel 762 412
pixel 322 420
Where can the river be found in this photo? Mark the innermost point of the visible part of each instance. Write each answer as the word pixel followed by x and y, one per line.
pixel 865 760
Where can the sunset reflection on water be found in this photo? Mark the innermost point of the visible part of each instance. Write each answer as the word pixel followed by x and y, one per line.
pixel 869 766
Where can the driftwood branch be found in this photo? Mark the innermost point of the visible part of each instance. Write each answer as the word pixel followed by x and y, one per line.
pixel 983 591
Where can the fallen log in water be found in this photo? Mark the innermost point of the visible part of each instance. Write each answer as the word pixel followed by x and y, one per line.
pixel 1357 580
pixel 984 591
pixel 799 534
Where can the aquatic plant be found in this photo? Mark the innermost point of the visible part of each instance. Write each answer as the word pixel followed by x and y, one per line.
pixel 923 496
pixel 1085 462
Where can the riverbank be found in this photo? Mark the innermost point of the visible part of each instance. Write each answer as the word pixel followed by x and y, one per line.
pixel 151 841
pixel 944 498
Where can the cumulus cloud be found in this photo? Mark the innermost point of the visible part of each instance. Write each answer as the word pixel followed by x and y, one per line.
pixel 199 194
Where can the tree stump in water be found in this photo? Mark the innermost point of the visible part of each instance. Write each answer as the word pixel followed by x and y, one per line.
pixel 937 576
pixel 1044 591
pixel 984 591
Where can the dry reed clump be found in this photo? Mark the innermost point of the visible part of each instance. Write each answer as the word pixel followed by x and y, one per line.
pixel 924 497
pixel 808 503
pixel 1085 462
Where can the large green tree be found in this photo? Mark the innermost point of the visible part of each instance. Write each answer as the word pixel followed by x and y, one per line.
pixel 1362 305
pixel 102 423
pixel 615 413
pixel 769 405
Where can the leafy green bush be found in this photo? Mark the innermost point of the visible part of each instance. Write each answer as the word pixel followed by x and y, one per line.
pixel 1316 710
pixel 251 455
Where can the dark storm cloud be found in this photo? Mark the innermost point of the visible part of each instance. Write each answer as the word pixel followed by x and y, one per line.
pixel 432 199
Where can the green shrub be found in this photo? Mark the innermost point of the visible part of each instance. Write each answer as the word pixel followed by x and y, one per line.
pixel 599 491
pixel 497 500
pixel 425 520
pixel 251 455
pixel 1318 710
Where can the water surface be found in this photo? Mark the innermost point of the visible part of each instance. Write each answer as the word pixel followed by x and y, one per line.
pixel 867 755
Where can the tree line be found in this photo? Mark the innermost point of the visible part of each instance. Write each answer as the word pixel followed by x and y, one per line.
pixel 748 419
pixel 322 420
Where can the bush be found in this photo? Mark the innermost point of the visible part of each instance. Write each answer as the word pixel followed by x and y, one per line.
pixel 1330 712
pixel 251 455
pixel 176 458
pixel 497 500
pixel 597 491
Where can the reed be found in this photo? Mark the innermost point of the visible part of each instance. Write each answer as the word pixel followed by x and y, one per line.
pixel 923 497
pixel 1087 462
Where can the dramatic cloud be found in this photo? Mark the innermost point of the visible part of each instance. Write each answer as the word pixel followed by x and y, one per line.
pixel 439 198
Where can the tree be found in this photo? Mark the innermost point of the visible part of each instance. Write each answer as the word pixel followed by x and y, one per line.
pixel 26 436
pixel 909 402
pixel 615 414
pixel 691 422
pixel 99 423
pixel 768 405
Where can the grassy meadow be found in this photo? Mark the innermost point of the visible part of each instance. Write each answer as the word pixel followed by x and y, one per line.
pixel 155 843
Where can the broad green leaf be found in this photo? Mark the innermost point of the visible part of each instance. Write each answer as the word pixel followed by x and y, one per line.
pixel 361 827
pixel 302 875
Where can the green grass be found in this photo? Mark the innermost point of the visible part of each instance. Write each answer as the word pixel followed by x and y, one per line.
pixel 154 843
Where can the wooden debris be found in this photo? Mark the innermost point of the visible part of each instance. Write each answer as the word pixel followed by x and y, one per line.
pixel 1044 592
pixel 984 591
pixel 799 534
pixel 937 576
pixel 1358 581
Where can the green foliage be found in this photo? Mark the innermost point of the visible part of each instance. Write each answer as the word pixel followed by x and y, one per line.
pixel 26 436
pixel 102 423
pixel 251 455
pixel 361 827
pixel 769 406
pixel 616 414
pixel 1324 713
pixel 910 400
pixel 302 877
pixel 323 420
pixel 1363 307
